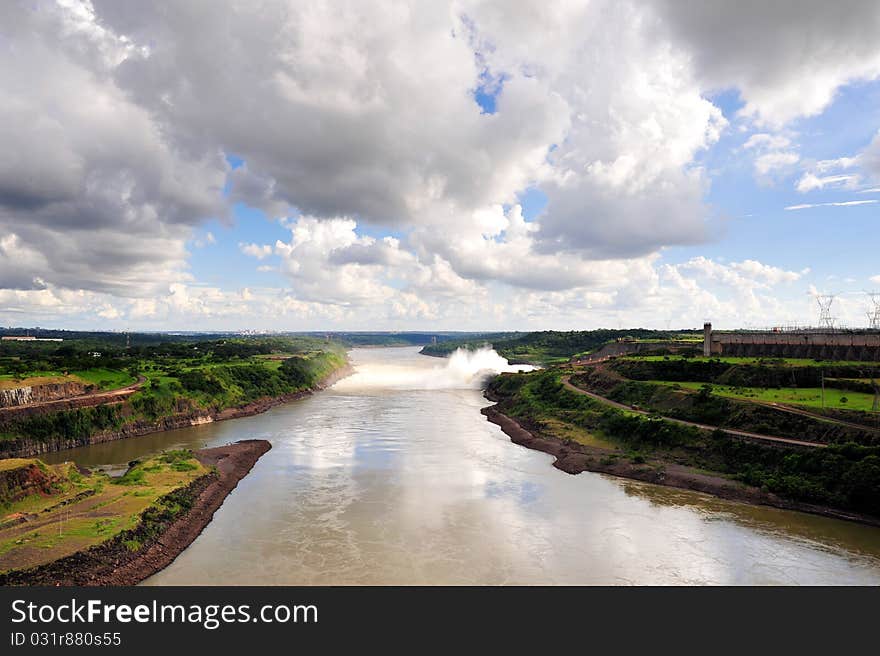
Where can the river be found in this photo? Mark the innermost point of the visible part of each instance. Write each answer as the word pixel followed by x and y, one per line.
pixel 393 476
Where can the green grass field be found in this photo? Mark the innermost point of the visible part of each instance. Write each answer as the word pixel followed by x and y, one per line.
pixel 105 379
pixel 803 396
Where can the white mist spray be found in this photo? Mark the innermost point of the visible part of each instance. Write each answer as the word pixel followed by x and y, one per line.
pixel 463 369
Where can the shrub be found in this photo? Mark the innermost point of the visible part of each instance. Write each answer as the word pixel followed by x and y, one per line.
pixel 134 476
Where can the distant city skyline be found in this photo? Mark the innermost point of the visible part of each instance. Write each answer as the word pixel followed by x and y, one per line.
pixel 469 165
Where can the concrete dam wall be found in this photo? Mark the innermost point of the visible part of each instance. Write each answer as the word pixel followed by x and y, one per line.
pixel 814 345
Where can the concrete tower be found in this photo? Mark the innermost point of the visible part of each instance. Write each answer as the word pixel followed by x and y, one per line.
pixel 707 339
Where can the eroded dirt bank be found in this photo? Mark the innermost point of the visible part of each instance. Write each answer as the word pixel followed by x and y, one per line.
pixel 161 538
pixel 28 447
pixel 574 458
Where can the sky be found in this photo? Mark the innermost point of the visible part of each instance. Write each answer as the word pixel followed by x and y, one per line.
pixel 463 165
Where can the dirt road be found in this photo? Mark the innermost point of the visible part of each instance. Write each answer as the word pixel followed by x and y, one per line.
pixel 752 436
pixel 813 415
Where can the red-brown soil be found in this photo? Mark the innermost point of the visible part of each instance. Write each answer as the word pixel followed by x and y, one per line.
pixel 20 482
pixel 112 563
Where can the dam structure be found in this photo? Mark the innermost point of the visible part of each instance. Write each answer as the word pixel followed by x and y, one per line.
pixel 808 343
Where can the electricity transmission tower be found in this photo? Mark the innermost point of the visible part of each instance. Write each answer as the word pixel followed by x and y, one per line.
pixel 874 311
pixel 825 318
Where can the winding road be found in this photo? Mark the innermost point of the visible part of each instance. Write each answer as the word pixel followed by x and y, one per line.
pixel 730 431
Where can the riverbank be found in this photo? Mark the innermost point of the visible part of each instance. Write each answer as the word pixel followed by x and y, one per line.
pixel 160 540
pixel 25 447
pixel 574 458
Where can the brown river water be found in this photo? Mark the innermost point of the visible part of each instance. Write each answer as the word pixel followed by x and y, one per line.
pixel 393 476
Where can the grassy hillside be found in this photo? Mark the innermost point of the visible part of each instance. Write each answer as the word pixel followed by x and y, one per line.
pixel 843 475
pixel 850 389
pixel 180 377
pixel 755 372
pixel 702 404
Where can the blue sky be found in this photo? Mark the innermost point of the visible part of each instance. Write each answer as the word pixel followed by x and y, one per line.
pixel 826 239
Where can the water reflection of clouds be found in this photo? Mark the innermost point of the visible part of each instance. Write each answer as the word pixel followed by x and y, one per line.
pixel 810 531
pixel 523 492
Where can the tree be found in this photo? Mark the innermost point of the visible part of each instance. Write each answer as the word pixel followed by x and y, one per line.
pixel 705 393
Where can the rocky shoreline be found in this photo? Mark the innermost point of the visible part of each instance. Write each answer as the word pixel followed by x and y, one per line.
pixel 26 447
pixel 574 458
pixel 113 563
